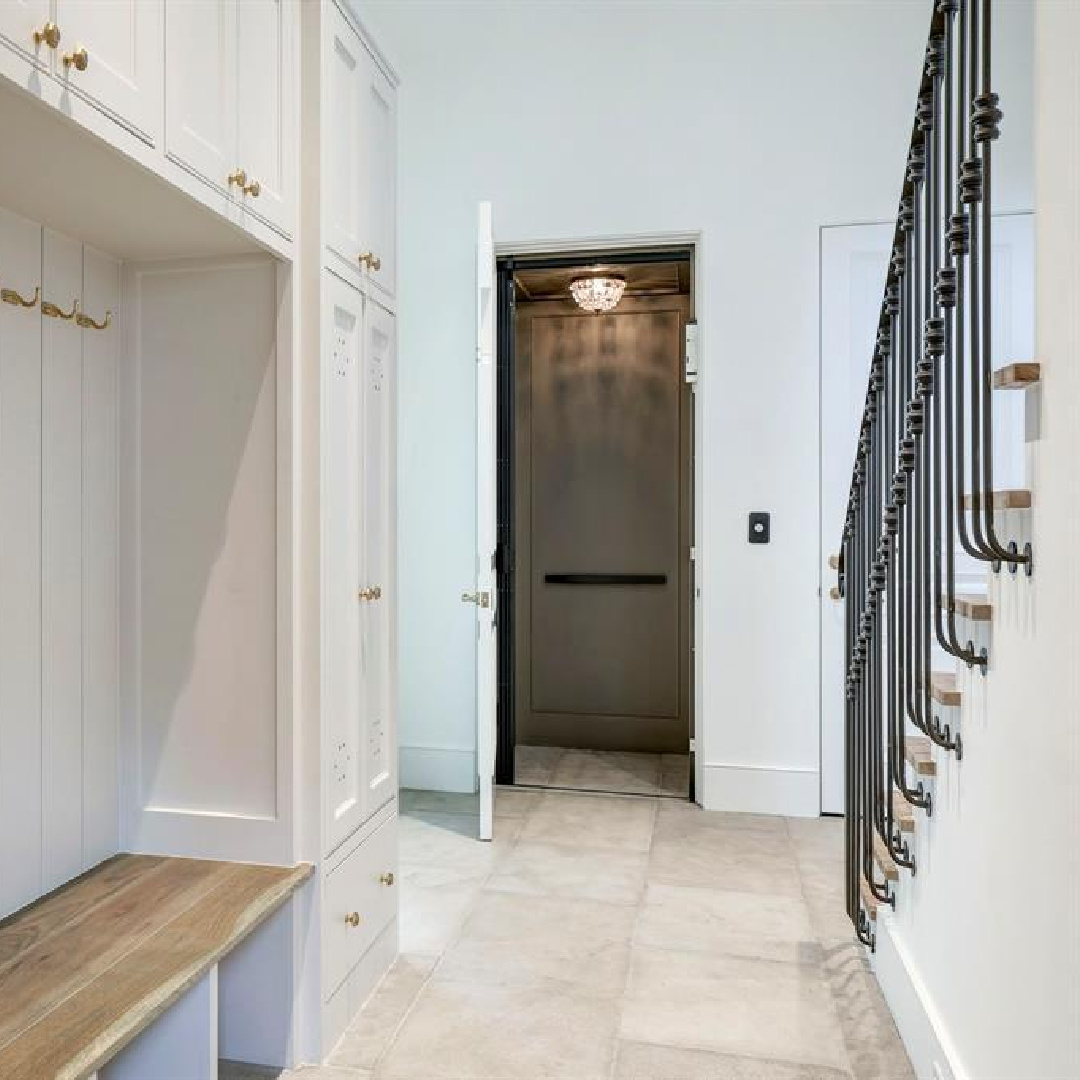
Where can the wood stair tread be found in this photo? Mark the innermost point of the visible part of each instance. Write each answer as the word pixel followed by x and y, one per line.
pixel 869 900
pixel 1008 499
pixel 903 813
pixel 943 688
pixel 883 858
pixel 974 606
pixel 86 968
pixel 918 754
pixel 1018 376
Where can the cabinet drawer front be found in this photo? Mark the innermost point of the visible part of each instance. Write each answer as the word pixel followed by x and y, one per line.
pixel 360 885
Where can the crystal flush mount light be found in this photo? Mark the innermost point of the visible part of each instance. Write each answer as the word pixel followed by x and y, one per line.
pixel 599 293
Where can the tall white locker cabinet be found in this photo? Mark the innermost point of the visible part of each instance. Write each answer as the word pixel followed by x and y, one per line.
pixel 349 228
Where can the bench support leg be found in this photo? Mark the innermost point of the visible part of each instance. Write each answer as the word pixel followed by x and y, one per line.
pixel 182 1042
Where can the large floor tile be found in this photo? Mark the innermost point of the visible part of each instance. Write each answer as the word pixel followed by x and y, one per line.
pixel 678 818
pixel 727 1004
pixel 371 1031
pixel 511 802
pixel 536 764
pixel 478 1031
pixel 432 839
pixel 608 770
pixel 526 939
pixel 557 870
pixel 748 862
pixel 447 802
pixel 592 821
pixel 737 923
pixel 434 902
pixel 817 838
pixel 645 1061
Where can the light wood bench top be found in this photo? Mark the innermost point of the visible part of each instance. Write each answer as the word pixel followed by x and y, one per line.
pixel 86 968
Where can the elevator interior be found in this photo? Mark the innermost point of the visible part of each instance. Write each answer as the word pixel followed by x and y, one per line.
pixel 595 524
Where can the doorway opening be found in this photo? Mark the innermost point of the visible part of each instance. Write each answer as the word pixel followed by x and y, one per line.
pixel 594 490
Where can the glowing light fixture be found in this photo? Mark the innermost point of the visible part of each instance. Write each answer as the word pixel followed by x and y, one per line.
pixel 599 293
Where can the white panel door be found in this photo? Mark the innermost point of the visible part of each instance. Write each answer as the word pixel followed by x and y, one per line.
pixel 379 746
pixel 342 362
pixel 123 44
pixel 265 109
pixel 18 21
pixel 20 563
pixel 61 566
pixel 378 230
pixel 485 593
pixel 345 63
pixel 101 297
pixel 201 88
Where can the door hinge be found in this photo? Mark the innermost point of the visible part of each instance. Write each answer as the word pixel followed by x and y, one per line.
pixel 691 353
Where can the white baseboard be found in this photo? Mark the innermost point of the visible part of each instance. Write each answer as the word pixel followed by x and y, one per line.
pixel 933 1056
pixel 761 789
pixel 437 768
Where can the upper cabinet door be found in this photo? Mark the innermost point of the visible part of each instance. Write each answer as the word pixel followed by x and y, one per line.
pixel 200 87
pixel 110 52
pixel 19 19
pixel 345 64
pixel 377 559
pixel 378 148
pixel 266 110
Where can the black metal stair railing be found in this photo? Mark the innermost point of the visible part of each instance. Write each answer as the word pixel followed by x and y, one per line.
pixel 925 442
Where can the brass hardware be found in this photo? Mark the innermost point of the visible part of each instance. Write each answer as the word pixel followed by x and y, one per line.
pixel 371 261
pixel 239 178
pixel 88 324
pixel 49 35
pixel 254 189
pixel 50 309
pixel 387 879
pixel 374 593
pixel 481 599
pixel 10 296
pixel 834 593
pixel 353 918
pixel 79 59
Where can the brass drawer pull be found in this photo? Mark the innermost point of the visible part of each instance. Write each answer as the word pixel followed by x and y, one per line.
pixel 374 593
pixel 254 189
pixel 238 177
pixel 387 879
pixel 49 35
pixel 79 59
pixel 371 260
pixel 353 918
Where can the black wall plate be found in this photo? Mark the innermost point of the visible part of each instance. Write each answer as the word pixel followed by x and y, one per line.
pixel 759 530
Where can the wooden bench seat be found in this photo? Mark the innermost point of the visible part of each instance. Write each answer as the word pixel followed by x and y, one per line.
pixel 86 968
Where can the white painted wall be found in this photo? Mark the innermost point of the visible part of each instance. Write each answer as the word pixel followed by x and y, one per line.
pixel 755 123
pixel 979 963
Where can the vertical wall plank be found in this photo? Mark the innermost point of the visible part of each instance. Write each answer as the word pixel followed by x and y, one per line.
pixel 20 568
pixel 61 570
pixel 101 284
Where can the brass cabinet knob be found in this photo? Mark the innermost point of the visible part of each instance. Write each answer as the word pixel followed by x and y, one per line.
pixel 374 593
pixel 239 178
pixel 387 879
pixel 253 189
pixel 49 35
pixel 371 260
pixel 79 59
pixel 353 918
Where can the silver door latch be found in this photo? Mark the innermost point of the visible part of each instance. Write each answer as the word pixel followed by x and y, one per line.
pixel 481 599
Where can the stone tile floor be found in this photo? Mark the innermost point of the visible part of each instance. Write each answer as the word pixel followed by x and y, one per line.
pixel 603 770
pixel 619 938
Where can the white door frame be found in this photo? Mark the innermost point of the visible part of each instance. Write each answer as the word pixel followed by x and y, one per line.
pixel 695 239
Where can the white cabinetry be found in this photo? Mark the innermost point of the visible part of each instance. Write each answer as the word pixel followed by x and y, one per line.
pixel 360 148
pixel 229 92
